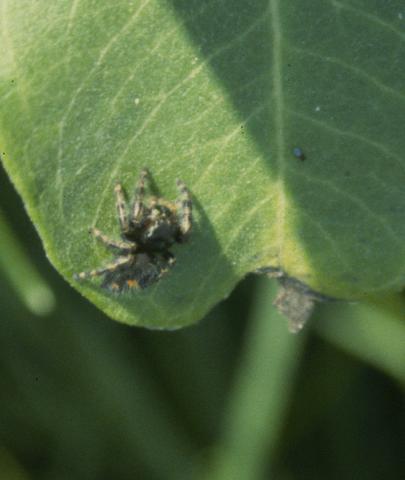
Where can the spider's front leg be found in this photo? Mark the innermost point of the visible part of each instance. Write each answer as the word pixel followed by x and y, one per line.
pixel 184 205
pixel 121 208
pixel 138 205
pixel 111 267
pixel 124 247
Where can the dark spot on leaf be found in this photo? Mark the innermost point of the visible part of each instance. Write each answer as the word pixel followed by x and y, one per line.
pixel 298 153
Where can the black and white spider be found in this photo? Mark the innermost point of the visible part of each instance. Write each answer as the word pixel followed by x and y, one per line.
pixel 147 232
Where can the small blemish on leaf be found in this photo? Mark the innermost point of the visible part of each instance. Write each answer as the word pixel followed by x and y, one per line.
pixel 298 153
pixel 296 306
pixel 294 300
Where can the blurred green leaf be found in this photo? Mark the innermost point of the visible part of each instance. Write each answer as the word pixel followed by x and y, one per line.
pixel 261 394
pixel 218 94
pixel 79 393
pixel 22 274
pixel 372 332
pixel 9 467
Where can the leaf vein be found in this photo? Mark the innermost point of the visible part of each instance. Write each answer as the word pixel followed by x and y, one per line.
pixel 73 100
pixel 368 16
pixel 279 122
pixel 355 200
pixel 345 133
pixel 358 71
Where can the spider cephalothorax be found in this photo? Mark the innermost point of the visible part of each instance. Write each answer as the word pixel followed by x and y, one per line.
pixel 147 232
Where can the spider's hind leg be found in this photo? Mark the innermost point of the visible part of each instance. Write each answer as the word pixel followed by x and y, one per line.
pixel 111 267
pixel 138 206
pixel 184 205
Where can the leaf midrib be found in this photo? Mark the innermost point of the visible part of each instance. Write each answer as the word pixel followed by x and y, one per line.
pixel 279 125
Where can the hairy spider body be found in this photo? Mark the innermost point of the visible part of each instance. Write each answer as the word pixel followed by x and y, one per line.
pixel 147 233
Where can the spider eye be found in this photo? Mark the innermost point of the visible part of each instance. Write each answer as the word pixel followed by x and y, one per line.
pixel 163 210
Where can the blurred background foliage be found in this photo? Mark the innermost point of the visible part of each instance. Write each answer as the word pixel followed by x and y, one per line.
pixel 235 397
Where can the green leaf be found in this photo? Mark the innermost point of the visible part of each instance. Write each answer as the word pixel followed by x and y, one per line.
pixel 218 94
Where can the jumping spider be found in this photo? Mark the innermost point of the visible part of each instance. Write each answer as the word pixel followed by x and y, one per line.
pixel 147 233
